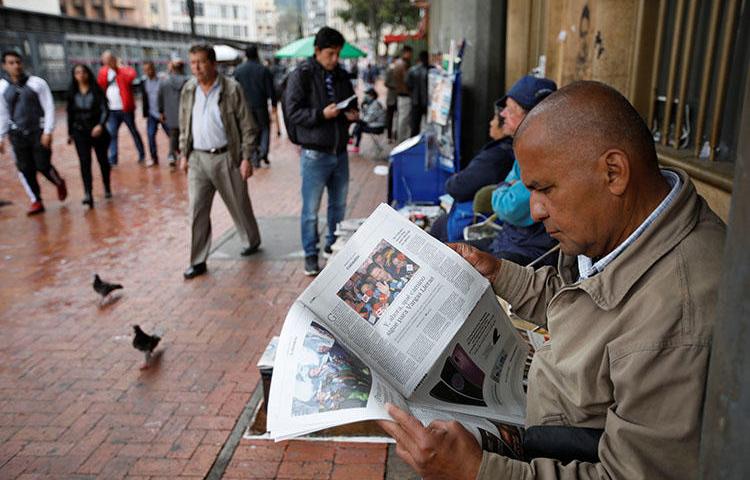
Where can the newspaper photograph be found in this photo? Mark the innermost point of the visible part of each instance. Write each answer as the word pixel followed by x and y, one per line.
pixel 377 282
pixel 318 383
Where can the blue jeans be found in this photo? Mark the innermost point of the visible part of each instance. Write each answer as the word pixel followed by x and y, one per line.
pixel 262 151
pixel 322 170
pixel 116 117
pixel 152 127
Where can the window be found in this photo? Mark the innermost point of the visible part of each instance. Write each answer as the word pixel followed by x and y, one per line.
pixel 199 9
pixel 236 31
pixel 224 11
pixel 235 11
pixel 213 30
pixel 698 59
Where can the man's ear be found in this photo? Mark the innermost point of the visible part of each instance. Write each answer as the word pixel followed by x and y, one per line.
pixel 618 170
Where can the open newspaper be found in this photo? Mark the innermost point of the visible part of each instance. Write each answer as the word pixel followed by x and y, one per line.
pixel 398 317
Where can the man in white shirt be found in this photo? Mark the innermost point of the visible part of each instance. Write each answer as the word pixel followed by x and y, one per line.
pixel 27 117
pixel 218 138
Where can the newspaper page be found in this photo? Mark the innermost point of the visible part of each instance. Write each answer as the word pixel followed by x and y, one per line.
pixel 481 371
pixel 396 296
pixel 318 383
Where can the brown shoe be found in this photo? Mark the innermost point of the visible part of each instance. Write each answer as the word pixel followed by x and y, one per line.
pixel 62 190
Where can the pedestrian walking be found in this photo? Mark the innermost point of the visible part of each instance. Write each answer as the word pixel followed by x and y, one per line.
pixel 169 106
pixel 217 139
pixel 87 128
pixel 315 122
pixel 391 100
pixel 257 83
pixel 150 84
pixel 27 117
pixel 416 80
pixel 403 101
pixel 116 80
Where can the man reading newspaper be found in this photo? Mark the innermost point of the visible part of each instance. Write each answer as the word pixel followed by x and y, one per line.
pixel 630 307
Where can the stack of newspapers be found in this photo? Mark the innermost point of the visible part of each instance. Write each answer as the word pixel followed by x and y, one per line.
pixel 344 231
pixel 399 317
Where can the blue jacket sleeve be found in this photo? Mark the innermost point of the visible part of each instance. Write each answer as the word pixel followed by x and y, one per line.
pixel 511 202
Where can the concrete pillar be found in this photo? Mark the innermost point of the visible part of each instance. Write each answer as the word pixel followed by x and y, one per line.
pixel 724 442
pixel 482 24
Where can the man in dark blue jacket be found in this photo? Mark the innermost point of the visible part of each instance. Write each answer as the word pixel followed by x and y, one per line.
pixel 320 127
pixel 257 83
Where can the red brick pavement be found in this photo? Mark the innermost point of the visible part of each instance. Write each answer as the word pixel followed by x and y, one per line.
pixel 73 403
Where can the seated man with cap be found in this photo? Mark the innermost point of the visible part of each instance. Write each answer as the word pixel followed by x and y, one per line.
pixel 521 239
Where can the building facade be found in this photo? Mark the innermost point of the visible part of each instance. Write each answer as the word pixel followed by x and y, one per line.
pixel 126 12
pixel 266 18
pixel 315 16
pixel 216 18
pixel 40 6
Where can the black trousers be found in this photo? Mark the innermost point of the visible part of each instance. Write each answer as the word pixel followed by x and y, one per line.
pixel 361 127
pixel 84 143
pixel 415 120
pixel 174 143
pixel 389 112
pixel 32 157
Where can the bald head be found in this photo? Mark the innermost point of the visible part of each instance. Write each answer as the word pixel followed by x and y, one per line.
pixel 591 117
pixel 590 163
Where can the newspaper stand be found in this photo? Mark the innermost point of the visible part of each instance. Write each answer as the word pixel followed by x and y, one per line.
pixel 418 177
pixel 413 182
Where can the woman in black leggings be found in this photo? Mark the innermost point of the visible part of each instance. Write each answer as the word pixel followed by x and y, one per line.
pixel 87 127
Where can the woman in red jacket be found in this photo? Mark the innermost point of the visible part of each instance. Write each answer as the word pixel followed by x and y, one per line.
pixel 116 80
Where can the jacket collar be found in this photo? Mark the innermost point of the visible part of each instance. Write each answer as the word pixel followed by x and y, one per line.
pixel 608 288
pixel 192 84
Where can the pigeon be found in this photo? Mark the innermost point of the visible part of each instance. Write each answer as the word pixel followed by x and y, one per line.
pixel 145 343
pixel 104 288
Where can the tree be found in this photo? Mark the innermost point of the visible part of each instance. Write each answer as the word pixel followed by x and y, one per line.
pixel 376 15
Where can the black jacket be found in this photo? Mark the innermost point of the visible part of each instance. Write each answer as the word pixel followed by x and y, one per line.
pixel 305 98
pixel 490 166
pixel 257 83
pixel 85 111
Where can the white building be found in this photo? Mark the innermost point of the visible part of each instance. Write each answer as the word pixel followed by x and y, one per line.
pixel 40 6
pixel 219 18
pixel 315 16
pixel 265 21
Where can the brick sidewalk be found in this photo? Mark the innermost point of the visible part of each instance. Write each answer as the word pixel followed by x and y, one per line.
pixel 73 403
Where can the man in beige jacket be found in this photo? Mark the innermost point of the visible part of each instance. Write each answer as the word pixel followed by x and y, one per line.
pixel 217 139
pixel 630 308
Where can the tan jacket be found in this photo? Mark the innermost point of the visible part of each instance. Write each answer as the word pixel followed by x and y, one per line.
pixel 241 129
pixel 629 349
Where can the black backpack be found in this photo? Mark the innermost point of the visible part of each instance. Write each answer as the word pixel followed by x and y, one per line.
pixel 291 128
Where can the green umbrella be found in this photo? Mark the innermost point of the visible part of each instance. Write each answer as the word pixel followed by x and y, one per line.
pixel 304 48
